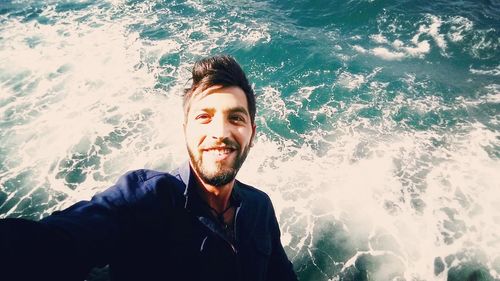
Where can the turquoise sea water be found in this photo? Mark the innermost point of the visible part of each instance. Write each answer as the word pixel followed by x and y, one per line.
pixel 378 121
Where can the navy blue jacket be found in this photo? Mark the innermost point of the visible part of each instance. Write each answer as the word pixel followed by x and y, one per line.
pixel 148 226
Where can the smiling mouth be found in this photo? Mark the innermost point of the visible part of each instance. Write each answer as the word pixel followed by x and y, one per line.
pixel 220 153
pixel 221 150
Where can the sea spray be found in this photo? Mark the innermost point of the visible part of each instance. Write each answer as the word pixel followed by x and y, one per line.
pixel 377 124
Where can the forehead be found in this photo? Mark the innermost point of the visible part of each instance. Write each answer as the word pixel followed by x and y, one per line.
pixel 220 98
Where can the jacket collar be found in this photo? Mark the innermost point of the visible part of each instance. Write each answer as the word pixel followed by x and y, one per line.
pixel 187 176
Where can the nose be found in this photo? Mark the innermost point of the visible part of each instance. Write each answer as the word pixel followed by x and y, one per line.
pixel 219 128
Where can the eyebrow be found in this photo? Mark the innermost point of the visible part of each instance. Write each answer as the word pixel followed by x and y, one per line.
pixel 238 109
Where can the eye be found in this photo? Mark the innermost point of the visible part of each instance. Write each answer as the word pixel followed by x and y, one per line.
pixel 237 118
pixel 202 117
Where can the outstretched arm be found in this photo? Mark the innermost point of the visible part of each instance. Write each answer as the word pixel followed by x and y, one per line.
pixel 68 243
pixel 280 268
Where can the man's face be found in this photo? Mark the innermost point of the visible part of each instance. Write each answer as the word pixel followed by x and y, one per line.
pixel 219 133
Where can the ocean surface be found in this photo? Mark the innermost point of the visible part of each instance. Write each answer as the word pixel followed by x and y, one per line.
pixel 378 120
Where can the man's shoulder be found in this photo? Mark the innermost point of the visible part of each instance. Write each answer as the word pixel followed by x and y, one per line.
pixel 141 184
pixel 253 192
pixel 144 175
pixel 147 177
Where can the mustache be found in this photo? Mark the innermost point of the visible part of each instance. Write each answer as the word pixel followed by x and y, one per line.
pixel 225 143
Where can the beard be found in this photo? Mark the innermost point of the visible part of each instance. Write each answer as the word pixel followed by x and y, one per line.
pixel 218 175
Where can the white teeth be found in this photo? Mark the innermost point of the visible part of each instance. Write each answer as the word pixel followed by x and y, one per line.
pixel 220 151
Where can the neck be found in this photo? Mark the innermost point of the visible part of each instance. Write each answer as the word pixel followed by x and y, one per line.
pixel 216 197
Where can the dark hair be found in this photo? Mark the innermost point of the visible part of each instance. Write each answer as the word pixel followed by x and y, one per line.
pixel 219 70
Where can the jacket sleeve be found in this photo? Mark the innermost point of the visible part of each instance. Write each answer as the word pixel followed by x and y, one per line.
pixel 280 268
pixel 68 243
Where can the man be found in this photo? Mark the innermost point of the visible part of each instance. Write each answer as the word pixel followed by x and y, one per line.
pixel 197 223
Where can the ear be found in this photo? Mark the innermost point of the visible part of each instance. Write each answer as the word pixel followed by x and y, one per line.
pixel 254 129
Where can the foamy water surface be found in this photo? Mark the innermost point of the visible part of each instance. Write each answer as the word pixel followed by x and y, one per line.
pixel 378 122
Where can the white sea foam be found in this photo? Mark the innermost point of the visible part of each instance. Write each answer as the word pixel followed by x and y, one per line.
pixel 386 54
pixel 386 182
pixel 479 43
pixel 494 93
pixel 81 87
pixel 420 202
pixel 419 49
pixel 353 81
pixel 359 49
pixel 379 38
pixel 409 195
pixel 271 99
pixel 493 71
pixel 418 46
pixel 85 81
pixel 433 29
pixel 397 50
pixel 459 28
pixel 400 50
pixel 250 33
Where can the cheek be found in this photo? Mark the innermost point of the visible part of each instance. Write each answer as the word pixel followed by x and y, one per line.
pixel 194 135
pixel 244 136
